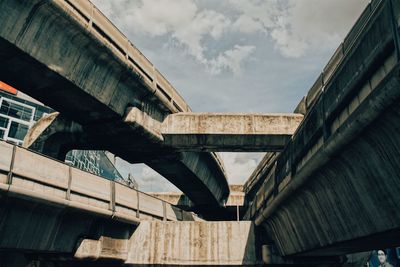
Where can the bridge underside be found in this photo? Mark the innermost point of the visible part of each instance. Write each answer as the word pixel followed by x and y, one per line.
pixel 229 132
pixel 38 233
pixel 42 229
pixel 47 53
pixel 350 203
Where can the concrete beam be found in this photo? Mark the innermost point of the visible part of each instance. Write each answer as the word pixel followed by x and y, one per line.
pixel 200 132
pixel 229 132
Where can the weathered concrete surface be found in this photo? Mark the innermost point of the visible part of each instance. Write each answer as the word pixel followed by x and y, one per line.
pixel 30 176
pixel 229 132
pixel 152 244
pixel 40 228
pixel 257 177
pixel 350 203
pixel 75 61
pixel 334 189
pixel 196 243
pixel 218 131
pixel 344 197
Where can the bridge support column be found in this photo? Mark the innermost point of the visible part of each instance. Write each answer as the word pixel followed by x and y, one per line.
pixel 54 135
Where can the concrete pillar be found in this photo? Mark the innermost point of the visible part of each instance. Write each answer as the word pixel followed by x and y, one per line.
pixel 54 135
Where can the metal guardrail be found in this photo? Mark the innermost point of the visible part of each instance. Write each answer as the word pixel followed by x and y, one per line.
pixel 351 75
pixel 27 174
pixel 96 22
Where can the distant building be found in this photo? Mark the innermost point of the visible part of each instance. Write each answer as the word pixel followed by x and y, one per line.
pixel 19 112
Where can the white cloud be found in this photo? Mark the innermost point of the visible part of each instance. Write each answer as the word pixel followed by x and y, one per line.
pixel 159 17
pixel 184 23
pixel 299 26
pixel 246 24
pixel 151 181
pixel 230 59
pixel 204 23
pixel 147 179
pixel 239 166
pixel 262 12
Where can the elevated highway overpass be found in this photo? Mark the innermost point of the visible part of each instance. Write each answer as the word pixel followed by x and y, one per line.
pixel 112 98
pixel 334 189
pixel 55 214
pixel 68 55
pixel 47 206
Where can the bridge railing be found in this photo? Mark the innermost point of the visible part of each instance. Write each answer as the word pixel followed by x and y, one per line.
pixel 370 51
pixel 344 48
pixel 27 174
pixel 97 23
pixel 251 186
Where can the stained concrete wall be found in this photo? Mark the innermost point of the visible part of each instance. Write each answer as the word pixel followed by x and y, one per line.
pixel 351 203
pixel 197 243
pixel 334 189
pixel 150 244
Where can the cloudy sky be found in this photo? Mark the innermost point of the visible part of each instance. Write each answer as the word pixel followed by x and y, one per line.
pixel 234 55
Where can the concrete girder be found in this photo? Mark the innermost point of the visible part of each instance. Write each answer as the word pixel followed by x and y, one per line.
pixel 229 132
pixel 202 132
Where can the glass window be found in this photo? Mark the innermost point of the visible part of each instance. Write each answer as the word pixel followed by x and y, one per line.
pixel 1 134
pixel 38 115
pixel 17 130
pixel 15 110
pixel 3 122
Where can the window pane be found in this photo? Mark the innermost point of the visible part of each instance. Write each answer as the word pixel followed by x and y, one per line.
pixel 15 110
pixel 38 115
pixel 17 131
pixel 3 122
pixel 5 107
pixel 1 134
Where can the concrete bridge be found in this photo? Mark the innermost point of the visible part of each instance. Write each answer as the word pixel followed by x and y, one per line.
pixel 328 190
pixel 334 188
pixel 75 61
pixel 52 212
pixel 112 98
